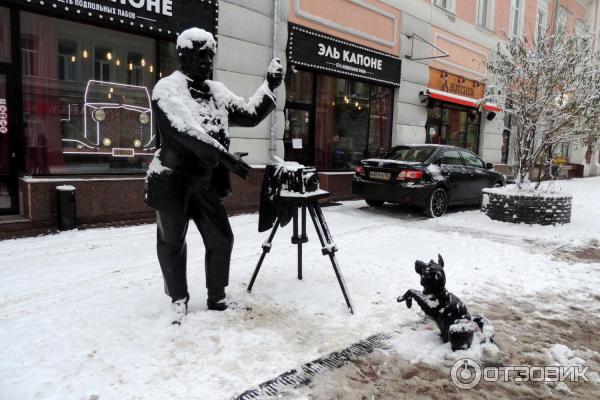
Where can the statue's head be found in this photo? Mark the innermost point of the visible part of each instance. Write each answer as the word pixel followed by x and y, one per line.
pixel 433 277
pixel 196 49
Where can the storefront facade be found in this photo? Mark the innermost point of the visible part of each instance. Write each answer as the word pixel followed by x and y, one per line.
pixel 343 75
pixel 75 90
pixel 339 100
pixel 454 115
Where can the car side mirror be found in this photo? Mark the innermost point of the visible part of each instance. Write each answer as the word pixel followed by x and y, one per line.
pixel 489 165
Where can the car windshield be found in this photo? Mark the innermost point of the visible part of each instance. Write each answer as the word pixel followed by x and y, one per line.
pixel 410 154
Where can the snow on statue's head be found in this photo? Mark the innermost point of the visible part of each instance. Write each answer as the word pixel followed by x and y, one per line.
pixel 196 49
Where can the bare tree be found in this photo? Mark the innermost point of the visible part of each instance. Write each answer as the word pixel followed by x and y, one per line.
pixel 551 86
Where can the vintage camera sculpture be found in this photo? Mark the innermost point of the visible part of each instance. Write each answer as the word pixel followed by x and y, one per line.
pixel 284 180
pixel 290 190
pixel 301 180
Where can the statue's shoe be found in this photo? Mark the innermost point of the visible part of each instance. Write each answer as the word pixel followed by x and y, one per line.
pixel 216 305
pixel 179 308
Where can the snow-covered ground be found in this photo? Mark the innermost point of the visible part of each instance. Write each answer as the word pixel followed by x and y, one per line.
pixel 83 313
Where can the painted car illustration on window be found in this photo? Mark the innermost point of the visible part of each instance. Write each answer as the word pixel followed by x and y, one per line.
pixel 117 121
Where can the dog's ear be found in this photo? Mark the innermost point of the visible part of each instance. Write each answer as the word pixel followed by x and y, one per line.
pixel 440 260
pixel 419 265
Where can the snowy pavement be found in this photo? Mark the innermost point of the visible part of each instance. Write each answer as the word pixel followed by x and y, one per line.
pixel 83 314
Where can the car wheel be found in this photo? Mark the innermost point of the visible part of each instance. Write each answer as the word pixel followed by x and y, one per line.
pixel 497 184
pixel 438 202
pixel 374 203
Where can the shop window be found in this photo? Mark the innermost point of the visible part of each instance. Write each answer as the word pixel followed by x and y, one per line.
pixel 85 112
pixel 169 61
pixel 453 125
pixel 352 122
pixel 299 87
pixel 5 35
pixel 66 60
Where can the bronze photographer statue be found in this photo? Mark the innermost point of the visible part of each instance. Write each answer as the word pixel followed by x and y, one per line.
pixel 189 176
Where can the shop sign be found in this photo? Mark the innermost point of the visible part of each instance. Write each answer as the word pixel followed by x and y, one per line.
pixel 456 84
pixel 160 17
pixel 3 117
pixel 313 49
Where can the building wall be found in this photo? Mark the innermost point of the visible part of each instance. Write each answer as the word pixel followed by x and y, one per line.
pixel 244 53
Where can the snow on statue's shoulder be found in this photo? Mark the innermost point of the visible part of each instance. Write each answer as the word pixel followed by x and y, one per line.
pixel 173 97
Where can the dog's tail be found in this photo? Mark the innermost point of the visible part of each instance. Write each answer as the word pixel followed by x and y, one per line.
pixel 486 328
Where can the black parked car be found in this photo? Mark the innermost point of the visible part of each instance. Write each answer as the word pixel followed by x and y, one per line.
pixel 430 176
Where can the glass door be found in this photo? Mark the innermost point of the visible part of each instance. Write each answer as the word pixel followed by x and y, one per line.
pixel 299 121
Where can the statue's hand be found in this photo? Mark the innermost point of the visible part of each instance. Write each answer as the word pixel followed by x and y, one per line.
pixel 275 74
pixel 236 165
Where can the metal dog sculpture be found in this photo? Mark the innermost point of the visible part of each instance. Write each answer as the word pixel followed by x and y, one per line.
pixel 448 312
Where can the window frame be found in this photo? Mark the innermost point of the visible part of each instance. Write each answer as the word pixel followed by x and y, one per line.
pixel 543 8
pixel 562 12
pixel 449 7
pixel 489 14
pixel 519 21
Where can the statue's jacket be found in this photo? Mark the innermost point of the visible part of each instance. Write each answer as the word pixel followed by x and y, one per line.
pixel 194 135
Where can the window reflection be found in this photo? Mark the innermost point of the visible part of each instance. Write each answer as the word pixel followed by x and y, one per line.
pixel 86 97
pixel 5 47
pixel 453 125
pixel 352 122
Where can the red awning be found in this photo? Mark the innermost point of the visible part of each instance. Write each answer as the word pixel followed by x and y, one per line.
pixel 462 100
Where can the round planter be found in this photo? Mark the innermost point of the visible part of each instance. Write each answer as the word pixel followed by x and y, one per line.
pixel 530 208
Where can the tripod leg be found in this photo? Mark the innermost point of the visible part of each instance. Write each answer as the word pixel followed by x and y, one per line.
pixel 329 248
pixel 303 239
pixel 266 248
pixel 297 240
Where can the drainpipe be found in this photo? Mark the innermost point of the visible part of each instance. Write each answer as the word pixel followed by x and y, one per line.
pixel 273 138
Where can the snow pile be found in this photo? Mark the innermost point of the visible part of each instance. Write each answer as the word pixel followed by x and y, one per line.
pixel 564 356
pixel 187 38
pixel 425 346
pixel 84 312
